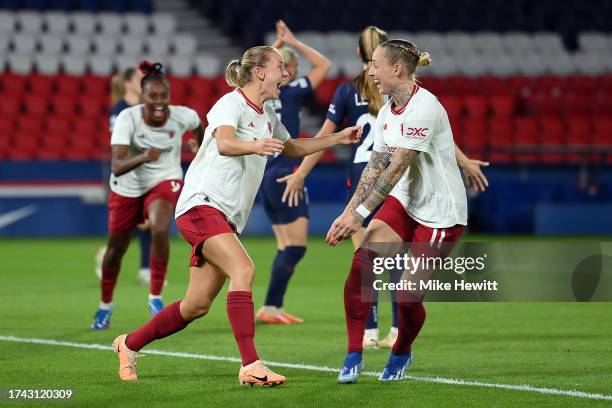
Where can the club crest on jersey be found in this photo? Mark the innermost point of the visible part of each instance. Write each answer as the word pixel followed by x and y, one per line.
pixel 270 127
pixel 251 125
pixel 385 127
pixel 171 134
pixel 141 136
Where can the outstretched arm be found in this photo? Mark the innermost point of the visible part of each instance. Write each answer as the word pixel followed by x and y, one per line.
pixel 304 147
pixel 295 181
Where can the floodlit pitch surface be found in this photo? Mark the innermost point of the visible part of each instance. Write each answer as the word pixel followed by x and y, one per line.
pixel 476 354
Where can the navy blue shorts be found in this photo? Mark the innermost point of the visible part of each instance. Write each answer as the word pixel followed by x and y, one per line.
pixel 272 194
pixel 352 180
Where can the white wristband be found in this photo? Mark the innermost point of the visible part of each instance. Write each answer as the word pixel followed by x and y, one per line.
pixel 363 211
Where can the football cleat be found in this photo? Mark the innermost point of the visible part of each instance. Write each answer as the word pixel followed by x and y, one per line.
pixel 370 339
pixel 155 305
pixel 396 366
pixel 257 373
pixel 270 315
pixel 389 341
pixel 102 319
pixel 290 318
pixel 353 365
pixel 127 359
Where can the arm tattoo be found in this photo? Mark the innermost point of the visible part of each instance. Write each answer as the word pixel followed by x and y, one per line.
pixel 377 164
pixel 400 161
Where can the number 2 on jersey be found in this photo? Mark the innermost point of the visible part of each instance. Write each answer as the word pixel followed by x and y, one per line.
pixel 364 151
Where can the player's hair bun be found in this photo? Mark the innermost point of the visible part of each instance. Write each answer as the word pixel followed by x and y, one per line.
pixel 150 68
pixel 424 59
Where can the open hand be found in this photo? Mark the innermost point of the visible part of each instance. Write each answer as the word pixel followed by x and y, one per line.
pixel 294 191
pixel 476 179
pixel 343 227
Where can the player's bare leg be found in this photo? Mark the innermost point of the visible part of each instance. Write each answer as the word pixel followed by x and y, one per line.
pixel 226 253
pixel 160 213
pixel 205 282
pixel 291 240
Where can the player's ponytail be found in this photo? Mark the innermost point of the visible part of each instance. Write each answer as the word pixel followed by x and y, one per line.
pixel 370 38
pixel 234 76
pixel 238 73
pixel 117 89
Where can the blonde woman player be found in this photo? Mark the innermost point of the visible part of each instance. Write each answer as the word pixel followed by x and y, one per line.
pixel 357 102
pixel 213 208
pixel 289 222
pixel 413 173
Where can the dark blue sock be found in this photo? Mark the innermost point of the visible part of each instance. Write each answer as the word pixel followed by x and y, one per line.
pixel 372 322
pixel 145 248
pixel 282 270
pixel 395 276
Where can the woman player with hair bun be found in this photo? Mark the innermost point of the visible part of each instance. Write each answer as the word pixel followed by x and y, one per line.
pixel 413 186
pixel 357 102
pixel 145 183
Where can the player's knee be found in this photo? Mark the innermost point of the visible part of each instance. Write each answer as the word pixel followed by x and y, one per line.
pixel 191 311
pixel 160 232
pixel 199 311
pixel 244 274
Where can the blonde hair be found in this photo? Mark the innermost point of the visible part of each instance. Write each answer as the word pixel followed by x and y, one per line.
pixel 240 72
pixel 370 38
pixel 118 84
pixel 407 54
pixel 288 55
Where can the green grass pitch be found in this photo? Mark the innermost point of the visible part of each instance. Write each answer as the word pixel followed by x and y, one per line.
pixel 48 290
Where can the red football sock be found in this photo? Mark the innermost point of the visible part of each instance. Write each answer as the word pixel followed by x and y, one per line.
pixel 158 267
pixel 357 298
pixel 108 282
pixel 411 317
pixel 240 312
pixel 165 323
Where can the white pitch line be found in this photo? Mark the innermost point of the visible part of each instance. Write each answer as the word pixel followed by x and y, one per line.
pixel 438 380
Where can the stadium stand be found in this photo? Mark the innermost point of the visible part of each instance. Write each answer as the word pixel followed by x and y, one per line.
pixel 527 85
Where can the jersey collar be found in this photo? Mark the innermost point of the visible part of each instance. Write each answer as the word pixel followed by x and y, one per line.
pixel 250 102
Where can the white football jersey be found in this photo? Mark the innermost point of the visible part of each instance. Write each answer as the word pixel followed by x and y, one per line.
pixel 130 129
pixel 431 190
pixel 230 183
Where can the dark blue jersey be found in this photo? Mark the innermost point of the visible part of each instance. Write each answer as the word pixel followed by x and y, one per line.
pixel 115 110
pixel 287 107
pixel 348 107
